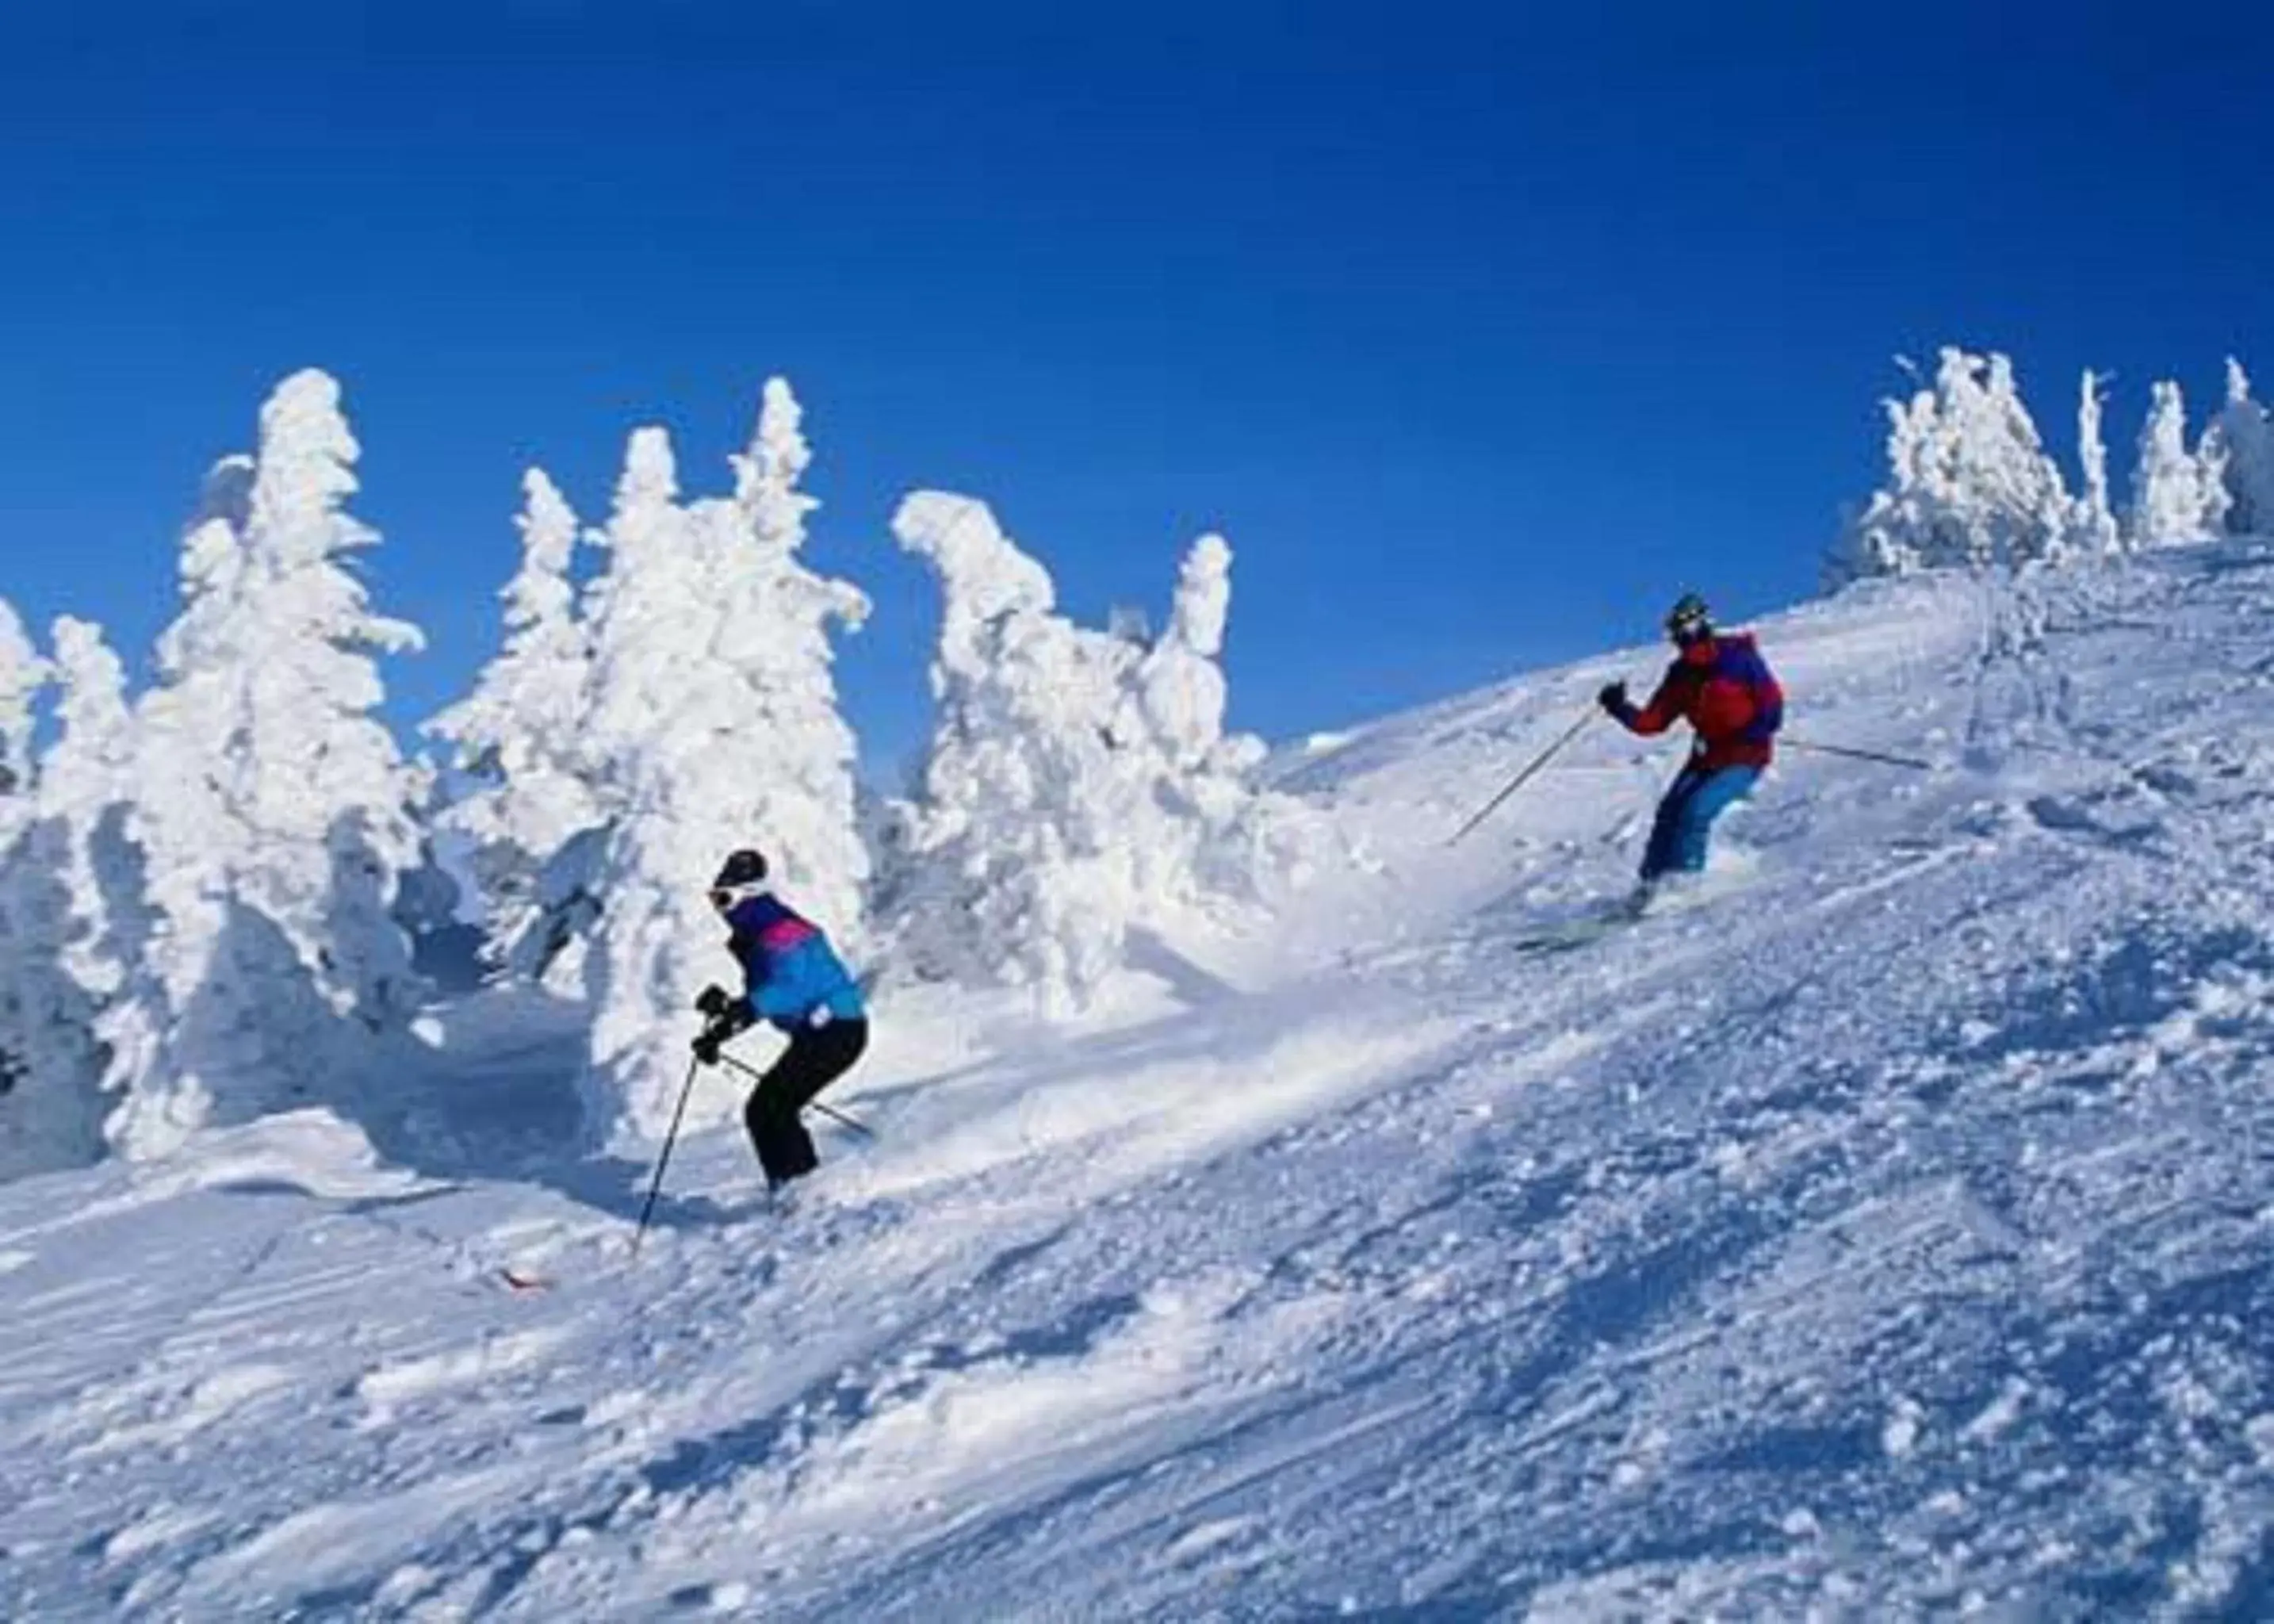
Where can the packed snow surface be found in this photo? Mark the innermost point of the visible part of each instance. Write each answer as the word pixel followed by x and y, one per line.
pixel 1881 1230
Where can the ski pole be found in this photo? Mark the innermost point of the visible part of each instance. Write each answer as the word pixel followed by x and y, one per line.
pixel 663 1161
pixel 824 1106
pixel 831 1111
pixel 1912 762
pixel 1524 777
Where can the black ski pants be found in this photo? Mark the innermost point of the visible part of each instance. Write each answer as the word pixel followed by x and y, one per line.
pixel 816 1057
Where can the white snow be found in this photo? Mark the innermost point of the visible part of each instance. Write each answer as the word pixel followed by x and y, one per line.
pixel 1882 1233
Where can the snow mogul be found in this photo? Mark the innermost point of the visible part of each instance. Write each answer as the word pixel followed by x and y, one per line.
pixel 1719 684
pixel 792 978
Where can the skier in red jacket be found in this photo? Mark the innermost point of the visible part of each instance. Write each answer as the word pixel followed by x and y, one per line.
pixel 1719 684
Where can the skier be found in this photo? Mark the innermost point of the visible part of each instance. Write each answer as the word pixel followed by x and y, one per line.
pixel 1721 686
pixel 794 978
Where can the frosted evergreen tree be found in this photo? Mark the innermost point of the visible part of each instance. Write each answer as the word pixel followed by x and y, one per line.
pixel 1969 482
pixel 272 811
pixel 1231 842
pixel 22 675
pixel 50 1109
pixel 714 719
pixel 652 620
pixel 90 766
pixel 1078 783
pixel 2245 440
pixel 777 617
pixel 1178 689
pixel 69 926
pixel 2097 533
pixel 87 781
pixel 1019 866
pixel 2178 495
pixel 87 784
pixel 23 946
pixel 518 737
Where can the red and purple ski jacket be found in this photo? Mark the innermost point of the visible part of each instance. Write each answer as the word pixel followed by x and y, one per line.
pixel 1723 688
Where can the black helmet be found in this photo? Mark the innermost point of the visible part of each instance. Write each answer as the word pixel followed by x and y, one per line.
pixel 1689 619
pixel 742 873
pixel 745 867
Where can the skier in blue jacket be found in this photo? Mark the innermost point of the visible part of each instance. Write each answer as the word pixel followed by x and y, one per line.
pixel 794 978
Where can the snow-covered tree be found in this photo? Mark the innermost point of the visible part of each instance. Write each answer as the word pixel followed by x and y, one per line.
pixel 2245 438
pixel 2178 495
pixel 518 737
pixel 775 617
pixel 90 765
pixel 50 1109
pixel 715 721
pixel 87 779
pixel 1233 841
pixel 24 945
pixel 1078 783
pixel 273 815
pixel 1969 482
pixel 1019 867
pixel 1178 688
pixel 68 931
pixel 22 675
pixel 2096 532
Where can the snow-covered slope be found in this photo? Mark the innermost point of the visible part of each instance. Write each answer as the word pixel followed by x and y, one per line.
pixel 1884 1232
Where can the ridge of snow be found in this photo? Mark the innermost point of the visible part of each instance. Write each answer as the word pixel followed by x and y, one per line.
pixel 1883 1233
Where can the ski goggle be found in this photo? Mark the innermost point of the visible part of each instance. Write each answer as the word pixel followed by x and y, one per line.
pixel 724 897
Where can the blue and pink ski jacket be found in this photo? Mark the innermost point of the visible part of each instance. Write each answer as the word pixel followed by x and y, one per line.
pixel 790 972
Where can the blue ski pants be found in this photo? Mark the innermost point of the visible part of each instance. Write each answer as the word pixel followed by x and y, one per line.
pixel 1685 816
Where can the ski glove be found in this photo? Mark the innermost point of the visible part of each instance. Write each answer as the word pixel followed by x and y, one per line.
pixel 727 1018
pixel 1614 700
pixel 711 1001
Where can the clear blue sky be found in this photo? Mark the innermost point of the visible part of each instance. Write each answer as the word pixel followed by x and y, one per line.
pixel 1480 331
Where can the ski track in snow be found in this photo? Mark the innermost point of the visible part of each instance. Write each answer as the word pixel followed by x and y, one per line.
pixel 1882 1233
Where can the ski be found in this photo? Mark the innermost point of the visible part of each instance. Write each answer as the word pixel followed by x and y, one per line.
pixel 1565 935
pixel 1569 938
